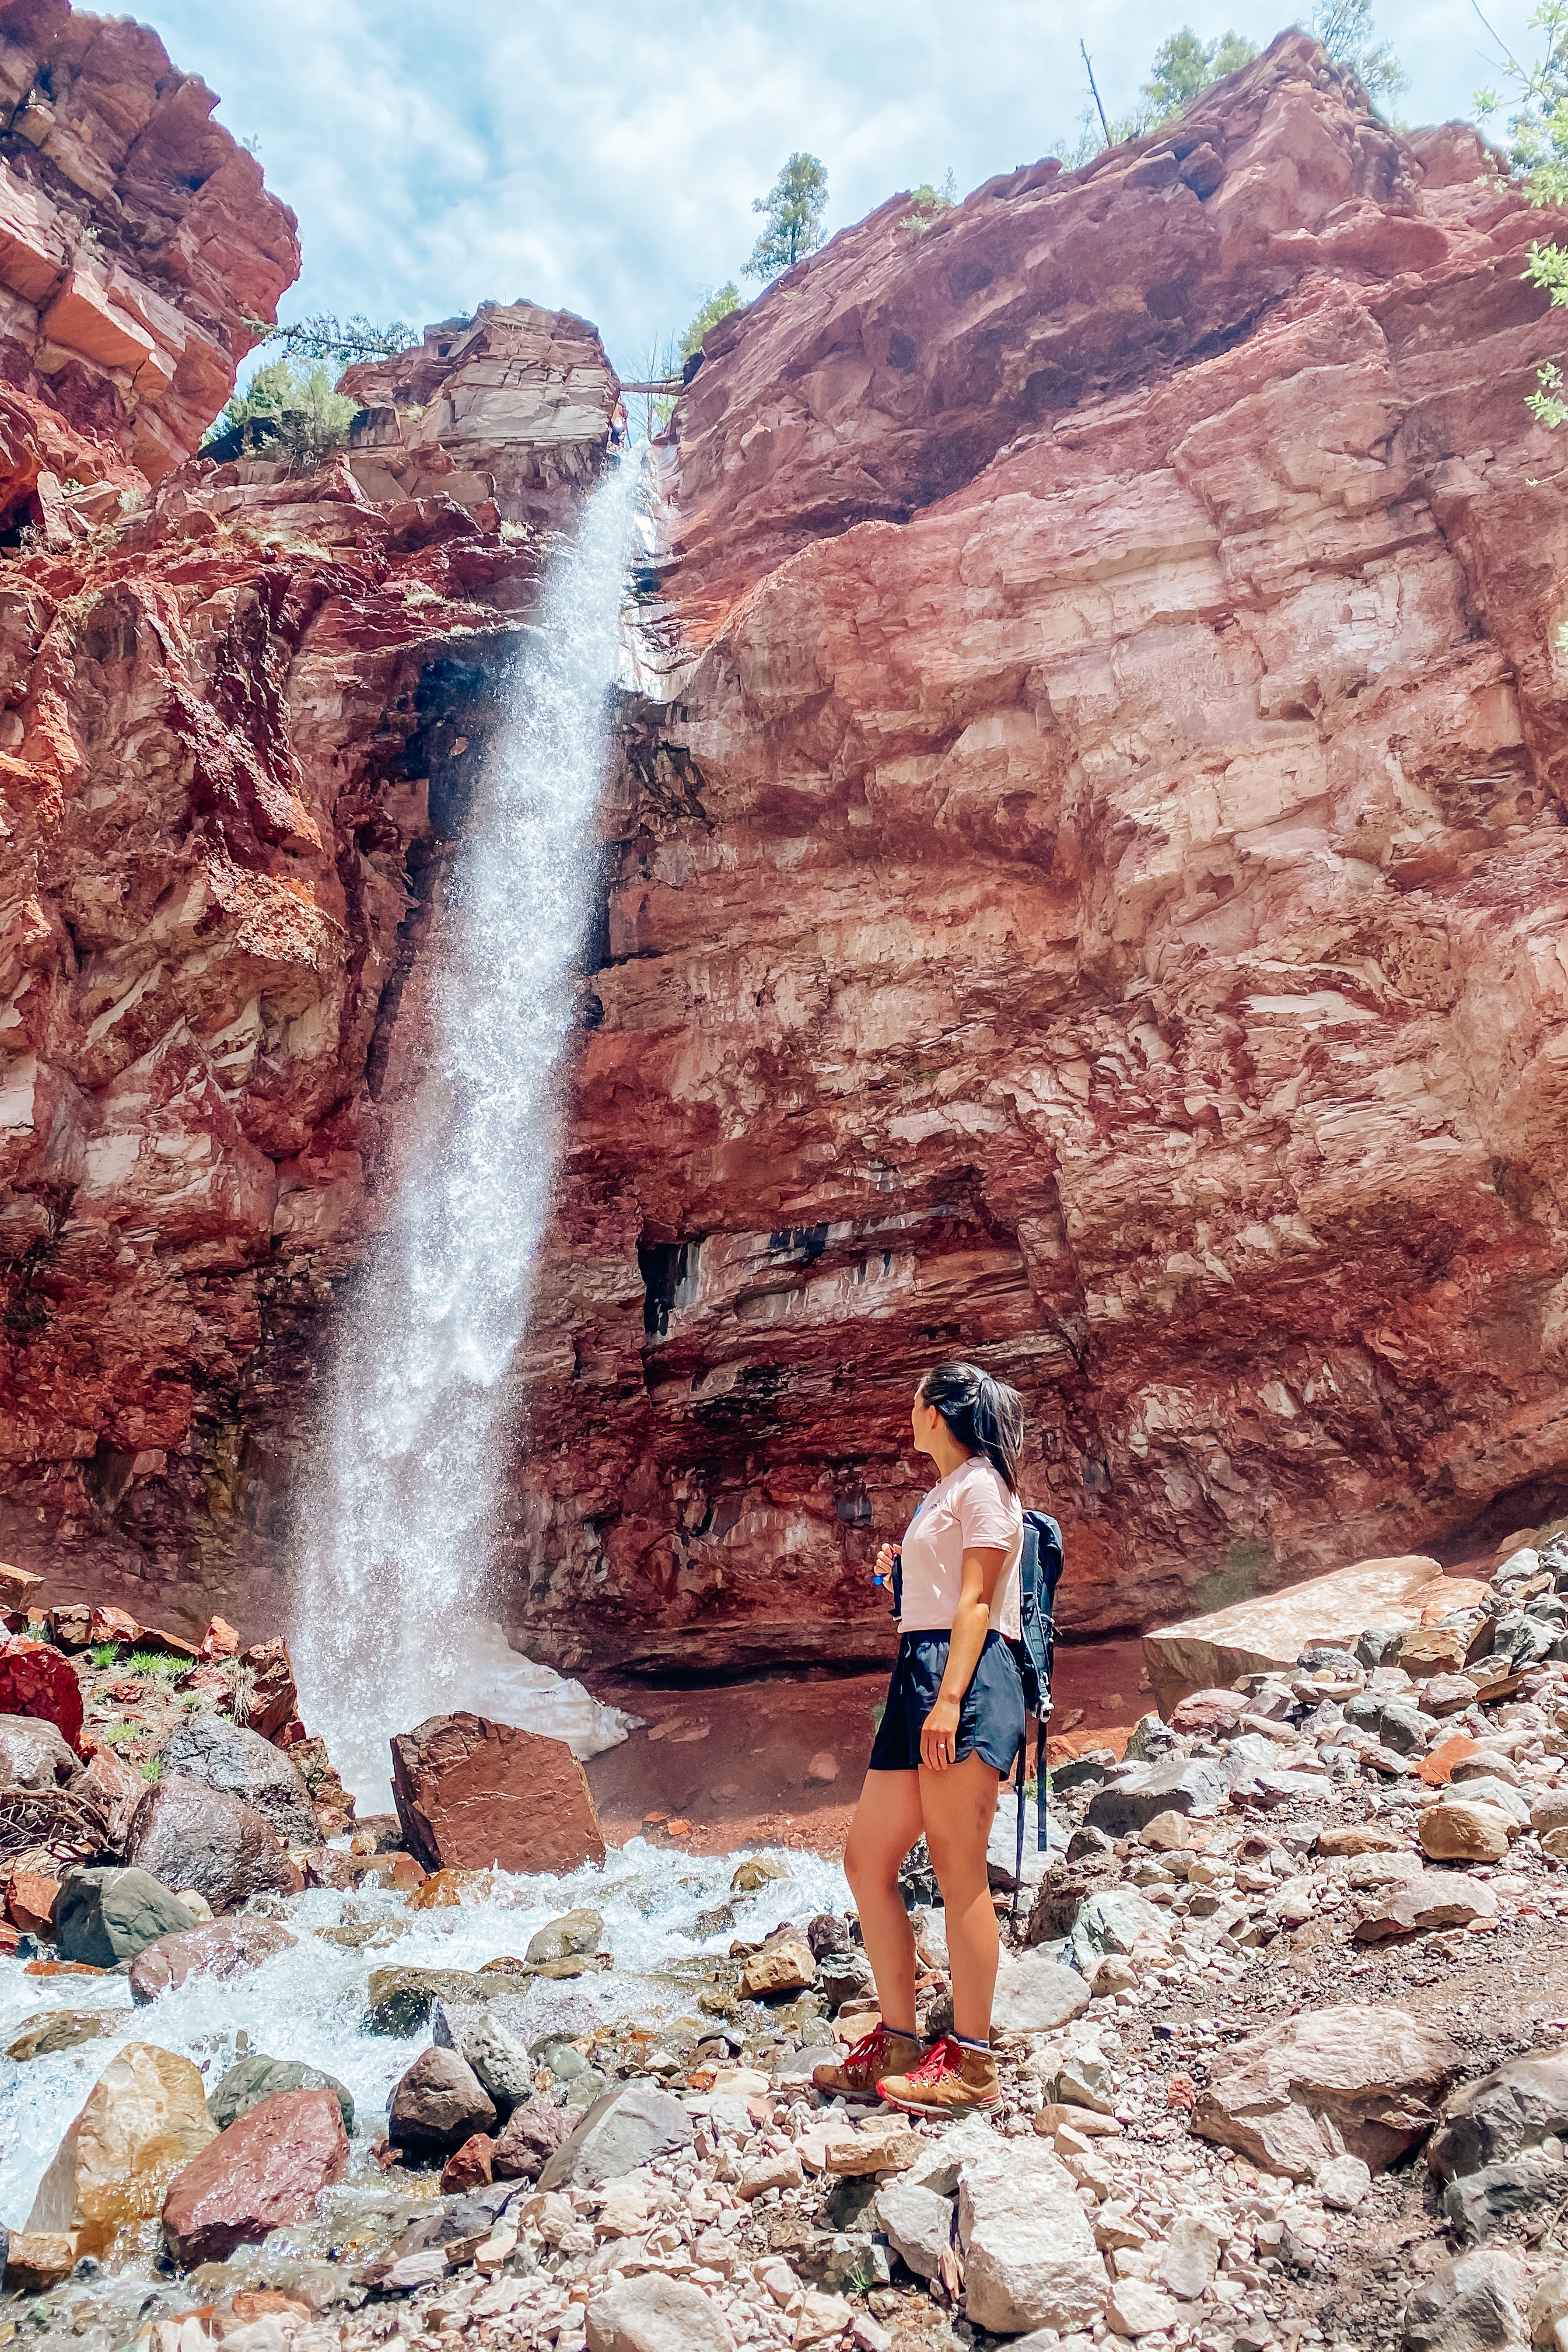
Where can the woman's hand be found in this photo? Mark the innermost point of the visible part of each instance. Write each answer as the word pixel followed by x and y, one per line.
pixel 883 1571
pixel 938 1735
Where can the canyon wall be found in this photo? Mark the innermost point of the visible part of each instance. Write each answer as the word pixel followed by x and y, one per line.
pixel 1094 901
pixel 1089 896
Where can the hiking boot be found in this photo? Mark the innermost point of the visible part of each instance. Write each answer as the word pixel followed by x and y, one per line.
pixel 880 2052
pixel 948 2081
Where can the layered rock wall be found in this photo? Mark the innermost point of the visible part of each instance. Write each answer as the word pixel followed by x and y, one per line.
pixel 1095 901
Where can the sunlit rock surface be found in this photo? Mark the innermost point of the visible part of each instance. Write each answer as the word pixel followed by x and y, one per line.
pixel 1095 901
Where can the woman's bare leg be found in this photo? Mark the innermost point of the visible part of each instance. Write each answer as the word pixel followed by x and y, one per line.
pixel 958 1807
pixel 886 1824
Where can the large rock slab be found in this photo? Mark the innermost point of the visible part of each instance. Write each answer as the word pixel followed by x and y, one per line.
pixel 1474 2304
pixel 1350 2078
pixel 622 2129
pixel 656 2314
pixel 917 2223
pixel 1029 2257
pixel 190 1835
pixel 1204 1653
pixel 230 1757
pixel 1513 2108
pixel 268 2168
pixel 1415 1904
pixel 145 2118
pixel 104 1917
pixel 35 1754
pixel 1035 1994
pixel 470 1794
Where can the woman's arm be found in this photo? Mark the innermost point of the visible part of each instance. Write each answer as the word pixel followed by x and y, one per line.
pixel 982 1569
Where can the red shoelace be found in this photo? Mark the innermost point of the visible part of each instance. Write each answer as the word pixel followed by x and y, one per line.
pixel 943 2058
pixel 869 2053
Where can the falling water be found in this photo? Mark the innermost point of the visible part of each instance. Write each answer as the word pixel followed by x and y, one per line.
pixel 394 1535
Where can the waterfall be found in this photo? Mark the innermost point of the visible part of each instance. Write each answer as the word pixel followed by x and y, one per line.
pixel 393 1532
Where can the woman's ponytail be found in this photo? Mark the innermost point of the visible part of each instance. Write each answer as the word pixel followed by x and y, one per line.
pixel 984 1416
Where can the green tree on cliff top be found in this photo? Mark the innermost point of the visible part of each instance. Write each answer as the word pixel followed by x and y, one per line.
pixel 718 305
pixel 794 210
pixel 1345 30
pixel 1538 153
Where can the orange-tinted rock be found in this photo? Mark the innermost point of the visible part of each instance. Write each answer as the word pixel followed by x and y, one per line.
pixel 145 2118
pixel 35 1679
pixel 266 2170
pixel 1436 1768
pixel 30 1899
pixel 219 1641
pixel 470 1792
pixel 469 2167
pixel 444 1890
pixel 273 1700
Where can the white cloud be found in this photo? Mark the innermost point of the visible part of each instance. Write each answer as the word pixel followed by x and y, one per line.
pixel 598 159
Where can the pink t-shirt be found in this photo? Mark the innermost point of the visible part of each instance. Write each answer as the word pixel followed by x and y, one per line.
pixel 970 1508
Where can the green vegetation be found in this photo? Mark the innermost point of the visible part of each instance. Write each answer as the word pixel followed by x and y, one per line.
pixel 324 337
pixel 718 304
pixel 928 204
pixel 1183 65
pixel 1345 30
pixel 1538 151
pixel 119 1732
pixel 154 1768
pixel 794 210
pixel 310 419
pixel 158 1666
pixel 104 1654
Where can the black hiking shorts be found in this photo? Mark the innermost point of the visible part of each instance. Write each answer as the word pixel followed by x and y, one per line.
pixel 990 1720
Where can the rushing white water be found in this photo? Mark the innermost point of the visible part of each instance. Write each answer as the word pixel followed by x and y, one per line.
pixel 394 1534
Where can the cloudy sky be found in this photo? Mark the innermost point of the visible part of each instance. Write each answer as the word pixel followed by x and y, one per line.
pixel 440 152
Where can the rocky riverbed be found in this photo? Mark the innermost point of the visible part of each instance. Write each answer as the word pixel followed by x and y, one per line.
pixel 1283 2020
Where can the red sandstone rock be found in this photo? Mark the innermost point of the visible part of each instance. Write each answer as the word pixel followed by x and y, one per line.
pixel 264 2171
pixel 187 1835
pixel 470 1794
pixel 273 1701
pixel 469 2167
pixel 117 1788
pixel 30 1899
pixel 229 1947
pixel 219 1641
pixel 36 1680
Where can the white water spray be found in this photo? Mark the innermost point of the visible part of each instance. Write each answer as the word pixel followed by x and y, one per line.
pixel 394 1535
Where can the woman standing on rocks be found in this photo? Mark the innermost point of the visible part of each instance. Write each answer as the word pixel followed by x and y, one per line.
pixel 952 1727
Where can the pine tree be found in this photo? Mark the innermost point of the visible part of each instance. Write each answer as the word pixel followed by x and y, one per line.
pixel 793 209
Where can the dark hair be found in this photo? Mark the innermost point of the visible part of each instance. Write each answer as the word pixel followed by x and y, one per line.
pixel 984 1416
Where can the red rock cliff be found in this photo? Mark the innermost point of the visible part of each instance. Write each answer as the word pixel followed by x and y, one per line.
pixel 1095 901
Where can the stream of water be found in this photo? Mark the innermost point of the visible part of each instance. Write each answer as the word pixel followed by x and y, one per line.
pixel 395 1527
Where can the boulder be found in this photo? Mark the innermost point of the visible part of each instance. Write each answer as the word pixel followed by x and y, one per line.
pixel 1513 2108
pixel 437 2104
pixel 271 1699
pixel 104 1917
pixel 1471 2305
pixel 36 1680
pixel 1427 1899
pixel 231 1757
pixel 1035 1994
pixel 188 1834
pixel 1356 2079
pixel 650 2313
pixel 1342 2182
pixel 219 1641
pixel 37 2260
pixel 54 2030
pixel 1127 1804
pixel 1502 2196
pixel 470 1794
pixel 1488 1790
pixel 226 1949
pixel 1550 1811
pixel 252 2079
pixel 1455 1831
pixel 916 2222
pixel 783 1966
pixel 30 1899
pixel 1121 1921
pixel 1208 1714
pixel 1191 2257
pixel 533 2131
pixel 499 2057
pixel 402 2000
pixel 1209 1653
pixel 267 2169
pixel 117 1788
pixel 35 1754
pixel 622 2129
pixel 145 2118
pixel 564 1939
pixel 472 2167
pixel 1029 2256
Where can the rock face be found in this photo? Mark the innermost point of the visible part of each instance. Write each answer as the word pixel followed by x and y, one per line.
pixel 145 2119
pixel 190 1835
pixel 1355 2080
pixel 1254 1636
pixel 266 2169
pixel 1091 897
pixel 470 1793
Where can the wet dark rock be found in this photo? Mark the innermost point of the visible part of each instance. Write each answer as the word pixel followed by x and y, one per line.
pixel 266 2170
pixel 827 1932
pixel 223 1755
pixel 400 2000
pixel 437 2104
pixel 252 2079
pixel 104 1917
pixel 34 1754
pixel 223 1948
pixel 569 1937
pixel 190 1835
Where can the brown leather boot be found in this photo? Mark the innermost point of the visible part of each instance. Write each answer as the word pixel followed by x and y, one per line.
pixel 948 2081
pixel 880 2052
